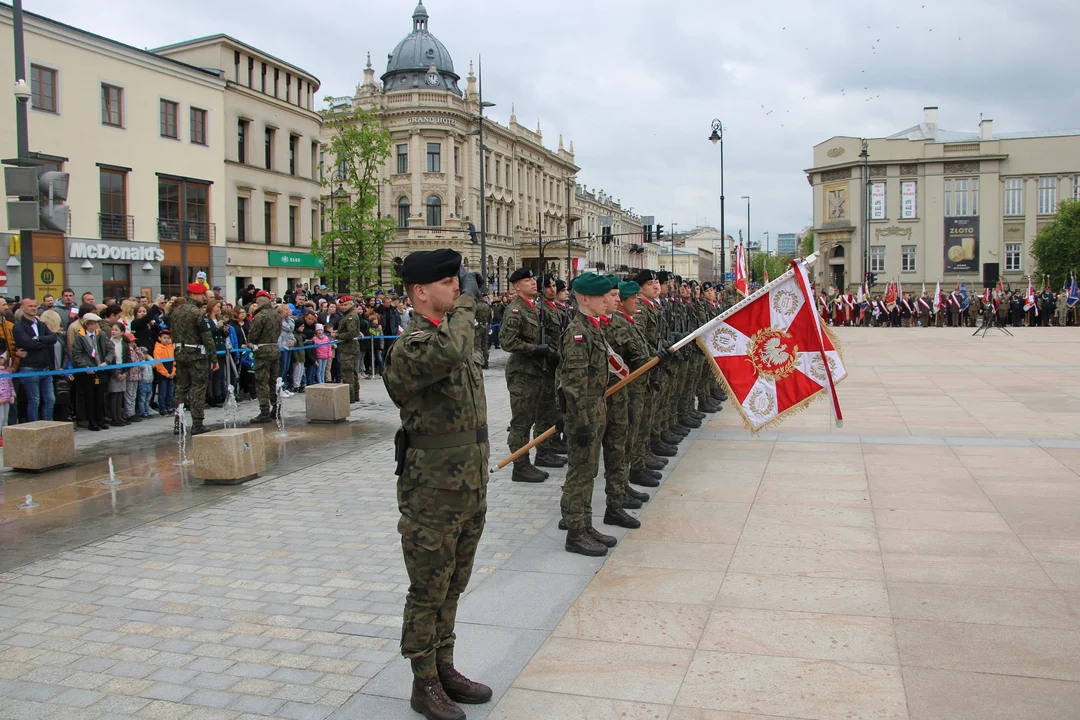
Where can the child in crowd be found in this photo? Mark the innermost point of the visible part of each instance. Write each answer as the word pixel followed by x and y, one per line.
pixel 134 375
pixel 114 399
pixel 7 388
pixel 166 373
pixel 143 377
pixel 324 350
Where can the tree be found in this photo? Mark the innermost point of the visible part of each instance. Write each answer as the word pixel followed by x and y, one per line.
pixel 808 243
pixel 1057 247
pixel 352 248
pixel 776 264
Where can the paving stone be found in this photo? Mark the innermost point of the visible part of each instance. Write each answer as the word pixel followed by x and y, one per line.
pixel 78 698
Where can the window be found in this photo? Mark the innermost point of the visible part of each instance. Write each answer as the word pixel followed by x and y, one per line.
pixel 288 87
pixel 112 101
pixel 113 219
pixel 1014 196
pixel 1013 254
pixel 115 280
pixel 1047 195
pixel 403 212
pixel 241 141
pixel 198 126
pixel 434 211
pixel 907 258
pixel 403 158
pixel 197 211
pixel 961 197
pixel 168 209
pixel 498 172
pixel 169 111
pixel 263 85
pixel 877 258
pixel 292 225
pixel 314 159
pixel 457 159
pixel 268 222
pixel 251 72
pixel 1076 187
pixel 434 163
pixel 293 142
pixel 268 149
pixel 314 222
pixel 236 67
pixel 42 88
pixel 241 219
pixel 909 206
pixel 877 201
pixel 277 74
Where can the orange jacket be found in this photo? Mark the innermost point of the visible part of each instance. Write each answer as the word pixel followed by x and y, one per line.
pixel 164 352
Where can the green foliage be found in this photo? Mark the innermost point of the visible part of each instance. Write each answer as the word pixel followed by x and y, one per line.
pixel 758 262
pixel 352 248
pixel 808 243
pixel 1057 247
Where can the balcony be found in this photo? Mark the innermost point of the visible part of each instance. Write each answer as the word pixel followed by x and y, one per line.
pixel 191 230
pixel 116 227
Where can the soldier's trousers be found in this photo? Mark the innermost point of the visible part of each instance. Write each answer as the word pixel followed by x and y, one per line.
pixel 616 460
pixel 191 379
pixel 584 463
pixel 266 374
pixel 348 372
pixel 640 423
pixel 545 411
pixel 481 343
pixel 662 413
pixel 525 392
pixel 440 530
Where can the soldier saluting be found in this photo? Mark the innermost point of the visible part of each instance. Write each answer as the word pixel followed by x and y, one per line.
pixel 434 377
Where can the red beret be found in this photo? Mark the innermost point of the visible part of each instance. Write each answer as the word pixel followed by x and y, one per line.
pixel 196 289
pixel 344 298
pixel 262 293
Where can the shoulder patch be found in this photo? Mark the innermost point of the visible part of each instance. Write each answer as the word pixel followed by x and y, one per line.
pixel 579 338
pixel 513 310
pixel 418 332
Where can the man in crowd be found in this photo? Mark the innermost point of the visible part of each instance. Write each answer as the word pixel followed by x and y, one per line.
pixel 37 341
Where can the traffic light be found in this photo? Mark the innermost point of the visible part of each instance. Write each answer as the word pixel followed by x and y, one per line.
pixel 871 280
pixel 472 234
pixel 648 233
pixel 659 232
pixel 605 236
pixel 54 191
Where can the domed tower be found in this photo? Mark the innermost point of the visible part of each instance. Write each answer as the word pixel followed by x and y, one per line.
pixel 420 61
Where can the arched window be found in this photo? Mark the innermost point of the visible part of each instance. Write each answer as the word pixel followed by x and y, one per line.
pixel 434 211
pixel 403 212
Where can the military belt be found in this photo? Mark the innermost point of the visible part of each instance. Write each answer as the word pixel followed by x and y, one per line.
pixel 189 346
pixel 442 442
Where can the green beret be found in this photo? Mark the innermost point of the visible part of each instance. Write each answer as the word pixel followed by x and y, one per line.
pixel 628 289
pixel 613 281
pixel 591 284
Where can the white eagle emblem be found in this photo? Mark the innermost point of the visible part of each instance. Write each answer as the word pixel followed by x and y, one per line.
pixel 774 352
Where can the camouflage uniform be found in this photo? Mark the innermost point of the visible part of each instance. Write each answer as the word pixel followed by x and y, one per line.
pixel 433 376
pixel 348 349
pixel 265 328
pixel 583 379
pixel 1062 308
pixel 483 323
pixel 647 429
pixel 194 352
pixel 623 407
pixel 545 416
pixel 524 371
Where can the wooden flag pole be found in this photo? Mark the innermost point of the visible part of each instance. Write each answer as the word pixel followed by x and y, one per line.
pixel 654 361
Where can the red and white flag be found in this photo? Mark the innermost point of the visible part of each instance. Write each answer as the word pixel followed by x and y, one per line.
pixel 1029 300
pixel 772 353
pixel 741 283
pixel 937 297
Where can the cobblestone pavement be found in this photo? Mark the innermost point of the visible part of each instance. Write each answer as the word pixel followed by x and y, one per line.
pixel 281 600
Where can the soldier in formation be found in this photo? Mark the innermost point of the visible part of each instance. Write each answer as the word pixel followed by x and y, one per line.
pixel 434 376
pixel 483 325
pixel 195 355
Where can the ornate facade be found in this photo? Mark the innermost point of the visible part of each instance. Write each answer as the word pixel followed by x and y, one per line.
pixel 626 251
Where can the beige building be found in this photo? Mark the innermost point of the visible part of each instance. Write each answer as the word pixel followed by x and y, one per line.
pixel 433 188
pixel 940 205
pixel 270 155
pixel 690 263
pixel 708 239
pixel 141 137
pixel 626 251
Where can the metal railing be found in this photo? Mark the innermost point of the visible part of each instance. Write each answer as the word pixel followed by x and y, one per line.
pixel 115 227
pixel 193 231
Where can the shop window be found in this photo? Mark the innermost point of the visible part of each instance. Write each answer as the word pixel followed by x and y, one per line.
pixel 116 280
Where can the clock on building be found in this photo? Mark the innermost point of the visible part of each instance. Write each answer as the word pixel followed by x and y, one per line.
pixel 433 78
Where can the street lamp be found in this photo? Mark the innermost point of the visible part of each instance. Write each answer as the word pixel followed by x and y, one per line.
pixel 337 176
pixel 749 237
pixel 483 158
pixel 673 247
pixel 718 137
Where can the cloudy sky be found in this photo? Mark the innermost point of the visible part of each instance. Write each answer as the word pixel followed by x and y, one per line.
pixel 635 83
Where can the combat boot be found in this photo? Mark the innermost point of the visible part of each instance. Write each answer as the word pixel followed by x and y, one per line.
pixel 557 445
pixel 461 689
pixel 680 430
pixel 671 438
pixel 703 405
pixel 654 463
pixel 663 449
pixel 580 542
pixel 630 503
pixel 637 494
pixel 654 474
pixel 430 700
pixel 697 415
pixel 690 422
pixel 609 541
pixel 618 516
pixel 548 458
pixel 198 428
pixel 642 478
pixel 525 472
pixel 262 418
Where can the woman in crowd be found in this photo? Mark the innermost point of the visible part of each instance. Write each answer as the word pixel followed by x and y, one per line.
pixel 243 362
pixel 286 339
pixel 305 328
pixel 215 388
pixel 63 389
pixel 127 313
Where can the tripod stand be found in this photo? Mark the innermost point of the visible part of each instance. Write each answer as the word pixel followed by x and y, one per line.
pixel 990 323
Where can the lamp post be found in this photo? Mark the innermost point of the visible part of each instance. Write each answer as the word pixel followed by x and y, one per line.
pixel 483 160
pixel 865 155
pixel 673 247
pixel 749 237
pixel 718 137
pixel 337 176
pixel 570 181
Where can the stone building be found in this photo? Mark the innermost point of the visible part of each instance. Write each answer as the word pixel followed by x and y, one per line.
pixel 626 251
pixel 928 204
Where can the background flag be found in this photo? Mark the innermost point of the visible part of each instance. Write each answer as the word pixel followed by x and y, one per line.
pixel 1074 293
pixel 937 297
pixel 741 282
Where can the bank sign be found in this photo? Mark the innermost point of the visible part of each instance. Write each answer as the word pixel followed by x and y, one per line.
pixel 285 259
pixel 107 251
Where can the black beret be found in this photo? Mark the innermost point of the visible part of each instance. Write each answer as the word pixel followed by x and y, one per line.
pixel 707 285
pixel 428 266
pixel 522 274
pixel 663 276
pixel 560 286
pixel 645 276
pixel 549 280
